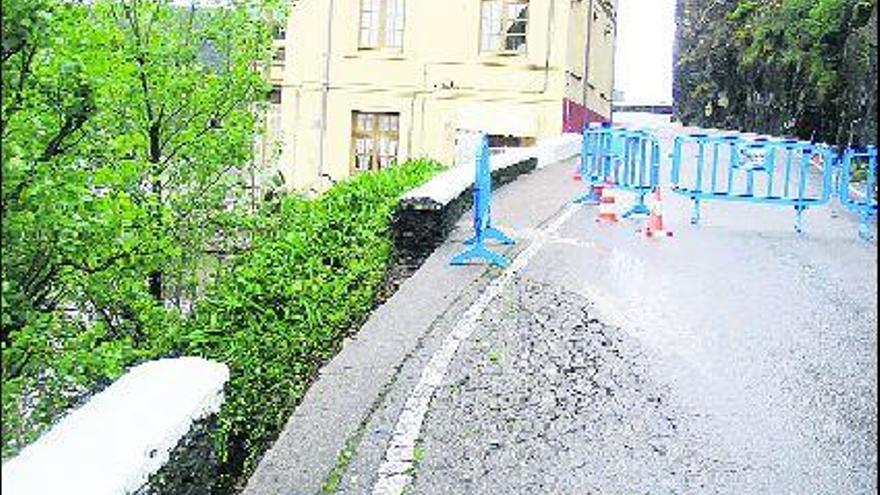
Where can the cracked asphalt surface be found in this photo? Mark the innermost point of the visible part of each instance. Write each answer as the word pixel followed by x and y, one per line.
pixel 735 358
pixel 548 399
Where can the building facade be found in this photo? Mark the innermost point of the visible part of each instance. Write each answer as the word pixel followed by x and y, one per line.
pixel 362 84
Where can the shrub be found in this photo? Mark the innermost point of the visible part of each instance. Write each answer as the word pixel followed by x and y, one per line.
pixel 282 309
pixel 274 314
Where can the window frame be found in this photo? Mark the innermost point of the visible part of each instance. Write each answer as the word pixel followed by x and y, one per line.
pixel 504 36
pixel 382 26
pixel 374 135
pixel 279 55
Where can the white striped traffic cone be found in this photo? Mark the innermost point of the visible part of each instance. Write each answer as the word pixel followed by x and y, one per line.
pixel 655 220
pixel 607 208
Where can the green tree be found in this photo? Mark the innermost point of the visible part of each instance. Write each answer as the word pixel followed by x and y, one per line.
pixel 796 67
pixel 126 127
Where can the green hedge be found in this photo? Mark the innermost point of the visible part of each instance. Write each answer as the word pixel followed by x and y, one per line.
pixel 274 315
pixel 283 309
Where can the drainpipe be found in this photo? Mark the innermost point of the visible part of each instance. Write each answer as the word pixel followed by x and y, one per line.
pixel 412 120
pixel 325 89
pixel 550 22
pixel 296 116
pixel 412 111
pixel 589 28
pixel 613 59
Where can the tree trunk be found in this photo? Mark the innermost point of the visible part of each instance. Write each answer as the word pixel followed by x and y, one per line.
pixel 155 157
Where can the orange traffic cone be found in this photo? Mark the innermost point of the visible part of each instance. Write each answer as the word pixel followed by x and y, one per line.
pixel 655 219
pixel 577 173
pixel 607 210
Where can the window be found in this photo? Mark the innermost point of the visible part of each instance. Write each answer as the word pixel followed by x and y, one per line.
pixel 278 56
pixel 503 25
pixel 381 24
pixel 374 140
pixel 275 95
pixel 278 32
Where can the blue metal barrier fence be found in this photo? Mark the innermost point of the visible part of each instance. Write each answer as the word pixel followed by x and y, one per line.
pixel 595 146
pixel 629 159
pixel 482 215
pixel 856 199
pixel 640 171
pixel 762 170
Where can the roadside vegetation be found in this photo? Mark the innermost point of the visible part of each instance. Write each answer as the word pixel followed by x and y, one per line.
pixel 805 68
pixel 136 226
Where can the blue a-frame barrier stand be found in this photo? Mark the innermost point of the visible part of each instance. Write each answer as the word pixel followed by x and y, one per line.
pixel 482 216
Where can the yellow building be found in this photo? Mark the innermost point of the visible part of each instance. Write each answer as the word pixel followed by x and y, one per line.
pixel 364 83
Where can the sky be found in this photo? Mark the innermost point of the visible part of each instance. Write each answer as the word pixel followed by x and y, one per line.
pixel 643 65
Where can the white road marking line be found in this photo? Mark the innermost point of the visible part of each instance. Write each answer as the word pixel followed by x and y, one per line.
pixel 395 472
pixel 551 238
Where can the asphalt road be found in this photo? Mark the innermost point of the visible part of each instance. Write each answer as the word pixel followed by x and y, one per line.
pixel 736 357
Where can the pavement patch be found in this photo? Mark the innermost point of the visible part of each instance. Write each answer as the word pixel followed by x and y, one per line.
pixel 567 405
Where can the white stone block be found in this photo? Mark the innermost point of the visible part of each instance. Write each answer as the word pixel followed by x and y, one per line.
pixel 449 184
pixel 121 436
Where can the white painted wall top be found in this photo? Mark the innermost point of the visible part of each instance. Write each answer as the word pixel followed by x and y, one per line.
pixel 113 443
pixel 447 185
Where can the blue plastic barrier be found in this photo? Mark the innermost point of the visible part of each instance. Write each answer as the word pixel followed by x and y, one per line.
pixel 640 170
pixel 482 215
pixel 865 206
pixel 627 158
pixel 594 160
pixel 762 170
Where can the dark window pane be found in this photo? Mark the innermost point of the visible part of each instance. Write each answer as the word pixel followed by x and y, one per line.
pixel 275 95
pixel 515 43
